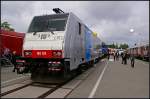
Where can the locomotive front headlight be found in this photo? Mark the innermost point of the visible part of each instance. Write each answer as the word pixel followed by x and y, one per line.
pixel 27 53
pixel 54 53
pixel 58 53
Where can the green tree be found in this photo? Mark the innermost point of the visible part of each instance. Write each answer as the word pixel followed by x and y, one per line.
pixel 124 46
pixel 6 26
pixel 111 45
pixel 116 46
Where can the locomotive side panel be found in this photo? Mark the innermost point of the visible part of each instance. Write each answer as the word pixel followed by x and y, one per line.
pixel 70 42
pixel 80 40
pixel 88 44
pixel 73 42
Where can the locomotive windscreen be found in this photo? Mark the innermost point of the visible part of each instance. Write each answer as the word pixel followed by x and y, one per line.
pixel 47 23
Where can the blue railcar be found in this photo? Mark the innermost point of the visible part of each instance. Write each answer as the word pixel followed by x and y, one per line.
pixel 104 49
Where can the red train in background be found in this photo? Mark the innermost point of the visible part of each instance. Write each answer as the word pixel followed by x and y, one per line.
pixel 140 51
pixel 12 41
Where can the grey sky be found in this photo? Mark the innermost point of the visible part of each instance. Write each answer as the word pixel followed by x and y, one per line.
pixel 110 19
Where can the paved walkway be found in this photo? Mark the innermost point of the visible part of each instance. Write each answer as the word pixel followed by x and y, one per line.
pixel 117 80
pixel 7 74
pixel 123 81
pixel 111 79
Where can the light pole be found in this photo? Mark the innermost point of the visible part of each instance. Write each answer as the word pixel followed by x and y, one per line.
pixel 131 30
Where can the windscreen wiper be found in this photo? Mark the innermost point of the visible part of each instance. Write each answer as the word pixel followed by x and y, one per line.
pixel 52 32
pixel 34 33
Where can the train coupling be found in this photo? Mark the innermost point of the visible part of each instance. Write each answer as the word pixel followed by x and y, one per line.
pixel 20 65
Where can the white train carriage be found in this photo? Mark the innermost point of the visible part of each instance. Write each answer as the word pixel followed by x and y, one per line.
pixel 58 44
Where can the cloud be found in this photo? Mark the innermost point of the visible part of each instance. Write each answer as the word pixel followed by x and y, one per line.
pixel 110 19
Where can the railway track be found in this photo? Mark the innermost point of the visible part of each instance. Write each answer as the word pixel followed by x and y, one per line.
pixel 38 90
pixel 16 89
pixel 50 88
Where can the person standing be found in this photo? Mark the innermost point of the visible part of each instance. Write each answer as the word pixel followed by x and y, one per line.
pixel 117 55
pixel 14 60
pixel 114 54
pixel 125 58
pixel 132 60
pixel 108 54
pixel 122 58
pixel 7 54
pixel 128 56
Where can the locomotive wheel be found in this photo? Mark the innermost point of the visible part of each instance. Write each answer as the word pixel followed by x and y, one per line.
pixel 91 63
pixel 66 73
pixel 34 72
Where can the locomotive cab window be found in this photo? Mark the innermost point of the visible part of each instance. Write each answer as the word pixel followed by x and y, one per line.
pixel 79 28
pixel 57 25
pixel 48 23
